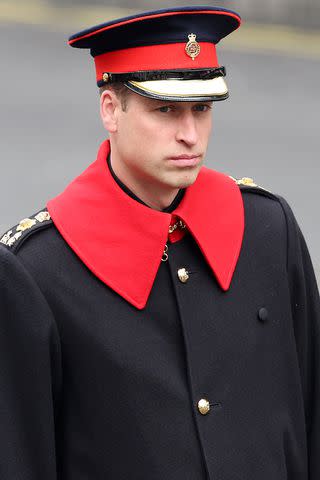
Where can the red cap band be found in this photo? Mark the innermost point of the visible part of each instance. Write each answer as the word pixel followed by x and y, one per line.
pixel 155 57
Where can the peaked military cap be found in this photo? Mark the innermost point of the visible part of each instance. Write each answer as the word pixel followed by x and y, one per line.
pixel 164 54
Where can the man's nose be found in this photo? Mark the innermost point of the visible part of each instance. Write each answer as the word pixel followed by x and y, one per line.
pixel 187 131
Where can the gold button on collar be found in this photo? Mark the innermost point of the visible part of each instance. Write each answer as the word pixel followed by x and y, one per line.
pixel 203 406
pixel 183 275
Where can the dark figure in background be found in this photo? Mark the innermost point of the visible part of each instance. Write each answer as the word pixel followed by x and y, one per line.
pixel 159 320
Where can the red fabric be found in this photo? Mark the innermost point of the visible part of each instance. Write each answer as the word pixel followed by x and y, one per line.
pixel 155 57
pixel 158 15
pixel 122 241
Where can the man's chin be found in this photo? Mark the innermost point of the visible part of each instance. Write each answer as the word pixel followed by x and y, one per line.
pixel 187 179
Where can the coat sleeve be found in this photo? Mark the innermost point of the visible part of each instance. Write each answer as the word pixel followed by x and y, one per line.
pixel 306 318
pixel 30 376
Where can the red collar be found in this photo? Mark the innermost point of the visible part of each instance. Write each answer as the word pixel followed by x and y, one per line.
pixel 122 241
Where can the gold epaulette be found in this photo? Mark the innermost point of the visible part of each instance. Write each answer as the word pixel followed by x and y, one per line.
pixel 247 182
pixel 25 226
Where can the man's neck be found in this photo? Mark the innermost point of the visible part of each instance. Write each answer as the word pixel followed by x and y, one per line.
pixel 164 200
pixel 158 202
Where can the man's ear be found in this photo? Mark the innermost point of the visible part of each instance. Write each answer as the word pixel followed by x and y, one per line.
pixel 109 108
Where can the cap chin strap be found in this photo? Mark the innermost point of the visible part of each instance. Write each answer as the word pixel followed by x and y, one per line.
pixel 145 76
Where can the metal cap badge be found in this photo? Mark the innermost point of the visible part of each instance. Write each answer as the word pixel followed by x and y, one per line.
pixel 192 47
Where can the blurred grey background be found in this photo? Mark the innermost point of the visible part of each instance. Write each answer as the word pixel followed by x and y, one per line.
pixel 267 130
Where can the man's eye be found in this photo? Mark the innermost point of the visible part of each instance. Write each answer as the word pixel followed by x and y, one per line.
pixel 165 109
pixel 202 108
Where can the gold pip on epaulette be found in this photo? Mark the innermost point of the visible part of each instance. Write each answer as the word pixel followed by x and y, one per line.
pixel 247 182
pixel 17 234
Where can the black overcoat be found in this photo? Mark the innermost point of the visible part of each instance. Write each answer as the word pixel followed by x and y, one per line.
pixel 92 387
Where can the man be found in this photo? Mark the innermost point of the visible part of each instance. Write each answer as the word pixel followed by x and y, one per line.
pixel 159 320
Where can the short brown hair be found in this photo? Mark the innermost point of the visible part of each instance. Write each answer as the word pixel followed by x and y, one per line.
pixel 120 90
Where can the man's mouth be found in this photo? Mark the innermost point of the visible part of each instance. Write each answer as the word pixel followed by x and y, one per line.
pixel 185 160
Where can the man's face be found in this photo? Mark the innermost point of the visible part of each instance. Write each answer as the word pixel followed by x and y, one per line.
pixel 162 144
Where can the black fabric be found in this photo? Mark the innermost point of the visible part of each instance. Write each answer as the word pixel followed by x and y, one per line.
pixel 30 376
pixel 173 205
pixel 92 388
pixel 121 34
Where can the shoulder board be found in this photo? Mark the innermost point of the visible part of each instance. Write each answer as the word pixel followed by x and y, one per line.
pixel 14 237
pixel 247 184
